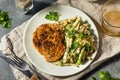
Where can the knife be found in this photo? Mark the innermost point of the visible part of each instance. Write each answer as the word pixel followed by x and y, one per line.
pixel 32 74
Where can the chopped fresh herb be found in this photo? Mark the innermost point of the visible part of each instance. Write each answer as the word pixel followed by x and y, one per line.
pixel 80 35
pixel 5 21
pixel 53 16
pixel 68 26
pixel 104 75
pixel 60 63
pixel 88 32
pixel 75 45
pixel 71 33
pixel 88 47
pixel 92 78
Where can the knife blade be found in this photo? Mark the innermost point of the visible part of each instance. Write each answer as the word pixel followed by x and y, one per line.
pixel 32 74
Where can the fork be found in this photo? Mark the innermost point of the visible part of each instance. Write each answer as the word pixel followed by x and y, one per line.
pixel 21 65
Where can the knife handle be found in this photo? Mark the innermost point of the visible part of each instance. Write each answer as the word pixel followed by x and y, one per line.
pixel 35 77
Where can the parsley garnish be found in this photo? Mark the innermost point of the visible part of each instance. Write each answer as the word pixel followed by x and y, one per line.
pixel 5 21
pixel 53 16
pixel 104 75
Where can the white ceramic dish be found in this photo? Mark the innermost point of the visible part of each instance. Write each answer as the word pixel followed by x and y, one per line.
pixel 38 60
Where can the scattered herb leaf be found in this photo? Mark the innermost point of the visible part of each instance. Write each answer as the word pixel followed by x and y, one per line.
pixel 92 78
pixel 104 75
pixel 5 21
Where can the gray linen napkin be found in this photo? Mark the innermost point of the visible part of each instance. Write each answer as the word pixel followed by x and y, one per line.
pixel 109 46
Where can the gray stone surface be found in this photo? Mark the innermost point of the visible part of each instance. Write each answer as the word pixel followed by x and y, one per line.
pixel 5 71
pixel 112 65
pixel 17 17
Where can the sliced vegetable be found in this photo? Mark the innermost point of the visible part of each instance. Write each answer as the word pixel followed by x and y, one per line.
pixel 80 43
pixel 68 45
pixel 79 61
pixel 75 23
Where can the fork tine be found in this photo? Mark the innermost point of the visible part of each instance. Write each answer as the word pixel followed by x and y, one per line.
pixel 20 62
pixel 14 63
pixel 13 56
pixel 19 59
pixel 14 59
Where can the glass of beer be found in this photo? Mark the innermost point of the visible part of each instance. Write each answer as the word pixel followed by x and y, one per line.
pixel 111 18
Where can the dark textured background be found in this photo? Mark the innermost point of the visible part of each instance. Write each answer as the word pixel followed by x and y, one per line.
pixel 18 17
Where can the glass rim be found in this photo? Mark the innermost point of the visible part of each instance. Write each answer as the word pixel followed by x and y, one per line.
pixel 110 24
pixel 103 11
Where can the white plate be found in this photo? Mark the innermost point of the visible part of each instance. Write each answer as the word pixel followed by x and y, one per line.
pixel 38 60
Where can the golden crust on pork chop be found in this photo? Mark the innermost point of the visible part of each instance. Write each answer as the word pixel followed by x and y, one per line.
pixel 48 39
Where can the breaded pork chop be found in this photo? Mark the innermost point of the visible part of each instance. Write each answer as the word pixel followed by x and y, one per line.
pixel 48 39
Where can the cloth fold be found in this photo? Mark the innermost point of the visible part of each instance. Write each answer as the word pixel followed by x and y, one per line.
pixel 109 46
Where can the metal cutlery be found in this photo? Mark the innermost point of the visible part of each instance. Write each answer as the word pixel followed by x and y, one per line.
pixel 22 66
